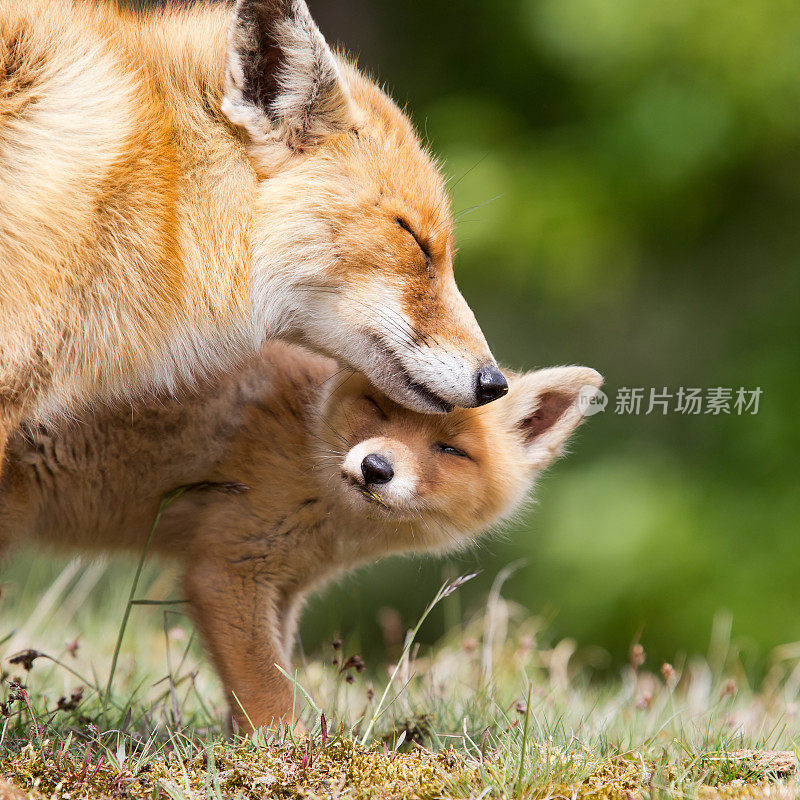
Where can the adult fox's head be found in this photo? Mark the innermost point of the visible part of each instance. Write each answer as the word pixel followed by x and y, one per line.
pixel 352 235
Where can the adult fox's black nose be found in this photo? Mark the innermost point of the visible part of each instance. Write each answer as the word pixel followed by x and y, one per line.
pixel 376 469
pixel 489 384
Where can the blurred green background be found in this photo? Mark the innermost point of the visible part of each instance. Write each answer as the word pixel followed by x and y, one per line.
pixel 626 177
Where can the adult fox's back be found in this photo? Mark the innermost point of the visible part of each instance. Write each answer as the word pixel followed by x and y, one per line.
pixel 177 186
pixel 118 178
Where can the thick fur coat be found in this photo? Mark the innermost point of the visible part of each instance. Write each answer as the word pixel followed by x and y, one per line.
pixel 179 186
pixel 300 472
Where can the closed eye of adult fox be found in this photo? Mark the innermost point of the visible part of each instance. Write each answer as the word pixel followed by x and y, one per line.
pixel 179 186
pixel 338 475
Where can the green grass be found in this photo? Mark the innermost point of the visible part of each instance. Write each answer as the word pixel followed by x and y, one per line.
pixel 493 710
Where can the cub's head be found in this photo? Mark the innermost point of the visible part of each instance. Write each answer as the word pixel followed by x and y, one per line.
pixel 352 234
pixel 447 476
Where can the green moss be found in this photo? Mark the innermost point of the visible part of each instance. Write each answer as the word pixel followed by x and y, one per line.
pixel 246 770
pixel 341 768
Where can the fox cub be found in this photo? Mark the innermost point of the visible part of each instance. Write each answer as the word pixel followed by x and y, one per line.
pixel 180 185
pixel 337 475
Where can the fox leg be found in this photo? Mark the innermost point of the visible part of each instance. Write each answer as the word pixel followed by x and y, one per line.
pixel 236 609
pixel 8 423
pixel 25 373
pixel 290 617
pixel 4 432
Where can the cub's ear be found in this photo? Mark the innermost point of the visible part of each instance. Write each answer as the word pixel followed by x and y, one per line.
pixel 545 407
pixel 282 81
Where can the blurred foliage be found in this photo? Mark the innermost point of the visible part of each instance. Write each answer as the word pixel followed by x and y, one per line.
pixel 625 177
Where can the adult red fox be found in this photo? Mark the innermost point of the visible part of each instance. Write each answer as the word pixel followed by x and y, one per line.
pixel 175 187
pixel 338 475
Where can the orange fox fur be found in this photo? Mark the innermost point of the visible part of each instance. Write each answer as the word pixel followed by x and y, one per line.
pixel 177 187
pixel 303 437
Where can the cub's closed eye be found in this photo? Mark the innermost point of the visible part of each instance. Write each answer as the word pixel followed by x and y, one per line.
pixel 374 403
pixel 449 450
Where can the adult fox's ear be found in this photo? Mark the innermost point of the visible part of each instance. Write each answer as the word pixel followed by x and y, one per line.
pixel 545 407
pixel 282 81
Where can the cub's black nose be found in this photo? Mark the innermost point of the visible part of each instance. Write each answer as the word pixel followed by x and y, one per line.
pixel 376 469
pixel 489 385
